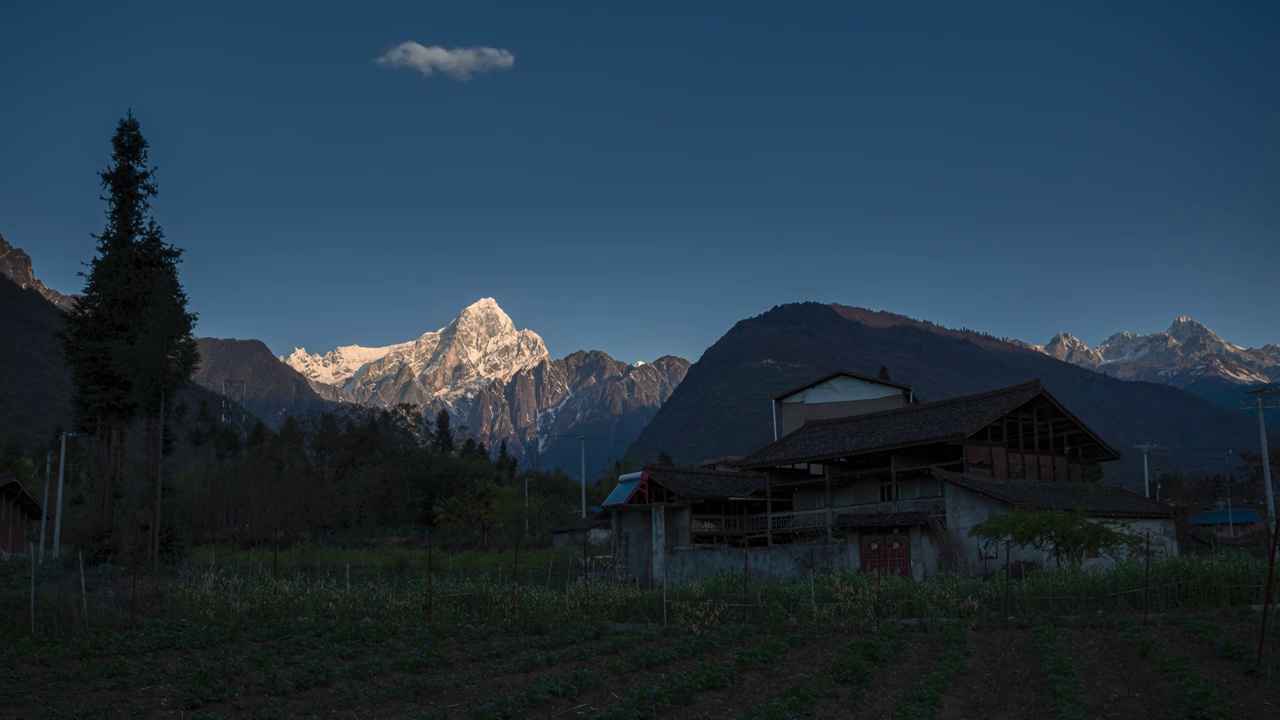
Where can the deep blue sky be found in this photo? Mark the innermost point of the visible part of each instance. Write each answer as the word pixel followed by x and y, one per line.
pixel 647 174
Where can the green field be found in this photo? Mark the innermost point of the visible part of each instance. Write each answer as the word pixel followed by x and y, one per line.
pixel 230 640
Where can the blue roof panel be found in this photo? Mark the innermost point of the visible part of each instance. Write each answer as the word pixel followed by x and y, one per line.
pixel 622 493
pixel 1219 517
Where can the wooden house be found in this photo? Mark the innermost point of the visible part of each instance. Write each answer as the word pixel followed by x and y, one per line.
pixel 891 488
pixel 17 510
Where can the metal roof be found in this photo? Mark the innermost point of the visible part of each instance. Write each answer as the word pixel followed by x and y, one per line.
pixel 1220 517
pixel 622 493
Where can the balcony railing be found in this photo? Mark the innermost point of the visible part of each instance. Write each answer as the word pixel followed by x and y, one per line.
pixel 809 519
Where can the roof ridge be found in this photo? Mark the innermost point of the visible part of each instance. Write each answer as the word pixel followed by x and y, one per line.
pixel 937 403
pixel 837 373
pixel 697 470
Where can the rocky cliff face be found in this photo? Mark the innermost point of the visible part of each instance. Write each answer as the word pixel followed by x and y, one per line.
pixel 1184 354
pixel 503 385
pixel 16 265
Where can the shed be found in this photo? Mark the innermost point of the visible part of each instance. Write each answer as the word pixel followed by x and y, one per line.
pixel 972 499
pixel 17 508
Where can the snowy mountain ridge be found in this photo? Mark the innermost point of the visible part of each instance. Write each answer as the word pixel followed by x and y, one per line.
pixel 502 384
pixel 479 347
pixel 1186 352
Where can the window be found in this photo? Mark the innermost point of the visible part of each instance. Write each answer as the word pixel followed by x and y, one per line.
pixel 888 491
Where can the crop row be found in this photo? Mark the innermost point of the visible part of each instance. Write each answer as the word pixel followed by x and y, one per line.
pixel 1060 675
pixel 1203 698
pixel 853 668
pixel 922 701
pixel 681 688
pixel 580 680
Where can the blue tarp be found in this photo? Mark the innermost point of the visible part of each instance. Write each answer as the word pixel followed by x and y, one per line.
pixel 622 493
pixel 1219 517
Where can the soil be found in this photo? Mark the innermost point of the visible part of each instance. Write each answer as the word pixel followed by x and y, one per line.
pixel 797 667
pixel 1116 682
pixel 614 689
pixel 1248 694
pixel 1003 678
pixel 892 683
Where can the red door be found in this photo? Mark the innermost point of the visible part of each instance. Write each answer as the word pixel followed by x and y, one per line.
pixel 887 554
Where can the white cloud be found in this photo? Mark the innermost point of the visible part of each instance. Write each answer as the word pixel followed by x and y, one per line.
pixel 461 64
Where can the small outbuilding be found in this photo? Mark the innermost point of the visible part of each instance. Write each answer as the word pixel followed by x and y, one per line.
pixel 17 509
pixel 972 499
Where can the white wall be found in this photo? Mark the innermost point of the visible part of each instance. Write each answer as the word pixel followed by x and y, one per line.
pixel 843 389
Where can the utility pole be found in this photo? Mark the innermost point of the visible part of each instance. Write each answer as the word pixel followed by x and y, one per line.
pixel 1146 474
pixel 44 504
pixel 582 441
pixel 57 517
pixel 1259 402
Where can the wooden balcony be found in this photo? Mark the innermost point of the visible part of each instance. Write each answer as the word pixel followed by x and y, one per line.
pixel 845 516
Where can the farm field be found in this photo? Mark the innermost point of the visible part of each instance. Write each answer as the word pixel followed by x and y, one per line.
pixel 1191 665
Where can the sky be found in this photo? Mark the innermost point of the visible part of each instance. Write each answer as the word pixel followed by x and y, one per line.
pixel 638 177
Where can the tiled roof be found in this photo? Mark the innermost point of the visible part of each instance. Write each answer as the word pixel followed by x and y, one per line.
pixel 11 488
pixel 912 425
pixel 700 483
pixel 1095 498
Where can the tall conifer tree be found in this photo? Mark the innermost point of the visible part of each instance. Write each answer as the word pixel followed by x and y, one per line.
pixel 129 339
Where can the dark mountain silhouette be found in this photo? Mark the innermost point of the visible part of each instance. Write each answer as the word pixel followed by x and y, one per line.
pixel 272 390
pixel 35 385
pixel 723 406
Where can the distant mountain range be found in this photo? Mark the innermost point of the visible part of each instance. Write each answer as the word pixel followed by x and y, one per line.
pixel 723 406
pixel 502 384
pixel 1181 356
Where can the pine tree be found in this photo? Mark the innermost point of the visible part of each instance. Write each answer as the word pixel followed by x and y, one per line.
pixel 443 434
pixel 128 341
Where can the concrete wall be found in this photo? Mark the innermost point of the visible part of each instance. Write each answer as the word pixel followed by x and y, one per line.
pixel 787 562
pixel 795 414
pixel 595 536
pixel 965 509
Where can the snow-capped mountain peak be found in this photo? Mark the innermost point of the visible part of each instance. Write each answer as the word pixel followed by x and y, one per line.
pixel 498 381
pixel 1186 351
pixel 479 347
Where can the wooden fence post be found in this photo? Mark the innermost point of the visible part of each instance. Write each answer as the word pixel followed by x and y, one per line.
pixel 1266 603
pixel 33 588
pixel 515 570
pixel 1007 560
pixel 1146 582
pixel 84 596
